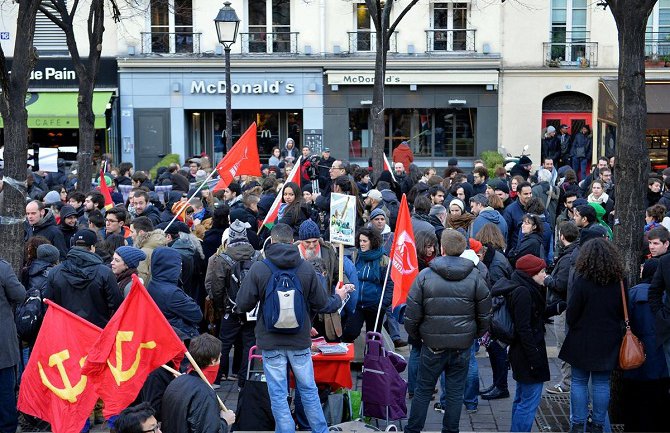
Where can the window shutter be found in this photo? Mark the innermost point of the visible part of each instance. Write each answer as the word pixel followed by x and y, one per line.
pixel 48 36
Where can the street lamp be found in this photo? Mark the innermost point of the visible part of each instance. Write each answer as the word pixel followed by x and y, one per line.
pixel 227 24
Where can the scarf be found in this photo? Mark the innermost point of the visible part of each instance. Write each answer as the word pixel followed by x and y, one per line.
pixel 460 221
pixel 603 198
pixel 369 258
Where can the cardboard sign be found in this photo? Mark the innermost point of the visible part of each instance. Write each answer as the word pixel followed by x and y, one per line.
pixel 342 219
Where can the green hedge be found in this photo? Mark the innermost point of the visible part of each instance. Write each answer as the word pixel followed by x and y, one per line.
pixel 493 160
pixel 167 160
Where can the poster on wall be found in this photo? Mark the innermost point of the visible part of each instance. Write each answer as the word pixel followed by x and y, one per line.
pixel 342 219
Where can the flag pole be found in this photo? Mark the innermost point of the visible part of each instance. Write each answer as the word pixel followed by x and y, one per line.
pixel 278 199
pixel 379 308
pixel 202 376
pixel 189 199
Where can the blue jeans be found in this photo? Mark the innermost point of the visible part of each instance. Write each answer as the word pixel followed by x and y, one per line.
pixel 526 401
pixel 579 395
pixel 579 166
pixel 413 367
pixel 9 417
pixel 275 369
pixel 471 393
pixel 454 364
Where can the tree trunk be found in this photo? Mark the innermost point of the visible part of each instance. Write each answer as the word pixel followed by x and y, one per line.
pixel 632 157
pixel 15 117
pixel 86 133
pixel 377 108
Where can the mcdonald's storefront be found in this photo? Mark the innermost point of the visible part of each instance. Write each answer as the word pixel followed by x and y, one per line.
pixel 168 108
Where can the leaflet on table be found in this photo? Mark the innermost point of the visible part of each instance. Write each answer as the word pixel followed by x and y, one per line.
pixel 333 349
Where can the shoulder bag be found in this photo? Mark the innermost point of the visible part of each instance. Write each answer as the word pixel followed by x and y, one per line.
pixel 631 354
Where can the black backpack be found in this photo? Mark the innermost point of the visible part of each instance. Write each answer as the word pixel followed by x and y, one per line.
pixel 238 271
pixel 28 316
pixel 502 325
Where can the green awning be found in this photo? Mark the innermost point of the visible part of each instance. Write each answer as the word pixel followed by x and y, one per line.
pixel 58 110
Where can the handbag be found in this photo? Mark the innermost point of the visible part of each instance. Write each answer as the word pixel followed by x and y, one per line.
pixel 631 354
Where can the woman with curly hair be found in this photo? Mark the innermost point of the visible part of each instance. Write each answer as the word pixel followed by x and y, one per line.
pixel 595 322
pixel 30 255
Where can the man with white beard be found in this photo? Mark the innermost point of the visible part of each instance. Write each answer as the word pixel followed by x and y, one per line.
pixel 310 245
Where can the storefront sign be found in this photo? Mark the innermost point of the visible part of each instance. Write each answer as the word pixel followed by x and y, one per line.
pixel 256 88
pixel 60 73
pixel 367 78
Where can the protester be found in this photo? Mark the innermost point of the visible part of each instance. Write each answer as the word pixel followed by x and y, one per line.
pixel 532 241
pixel 68 224
pixel 594 318
pixel 124 265
pixel 136 419
pixel 42 222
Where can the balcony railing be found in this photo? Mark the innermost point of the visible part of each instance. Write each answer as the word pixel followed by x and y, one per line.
pixel 657 45
pixel 170 43
pixel 443 40
pixel 363 41
pixel 264 42
pixel 570 54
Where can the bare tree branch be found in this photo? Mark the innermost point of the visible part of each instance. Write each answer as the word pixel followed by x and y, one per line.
pixel 399 18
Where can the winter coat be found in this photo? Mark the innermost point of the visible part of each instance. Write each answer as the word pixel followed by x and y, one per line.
pixel 219 271
pixel 497 264
pixel 543 190
pixel 665 201
pixel 557 285
pixel 148 242
pixel 212 241
pixel 489 215
pixel 581 146
pixel 371 276
pixel 12 293
pixel 528 351
pixel 85 286
pixel 595 326
pixel 179 182
pixel 48 228
pixel 513 215
pixel 519 170
pixel 403 154
pixel 448 304
pixel 152 213
pixel 393 205
pixel 551 148
pixel 284 256
pixel 189 406
pixel 68 232
pixel 181 311
pixel 36 275
pixel 420 224
pixel 642 325
pixel 660 285
pixel 530 244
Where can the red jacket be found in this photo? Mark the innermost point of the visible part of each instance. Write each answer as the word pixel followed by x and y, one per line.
pixel 403 154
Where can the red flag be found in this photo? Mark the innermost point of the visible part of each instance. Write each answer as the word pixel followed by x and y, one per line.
pixel 404 263
pixel 53 387
pixel 135 342
pixel 293 176
pixel 242 158
pixel 104 189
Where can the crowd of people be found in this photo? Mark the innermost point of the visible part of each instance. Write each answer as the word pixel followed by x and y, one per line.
pixel 537 240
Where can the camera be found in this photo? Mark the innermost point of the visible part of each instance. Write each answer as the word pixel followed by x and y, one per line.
pixel 313 167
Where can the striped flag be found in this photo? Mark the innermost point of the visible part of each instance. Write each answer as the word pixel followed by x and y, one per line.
pixel 293 176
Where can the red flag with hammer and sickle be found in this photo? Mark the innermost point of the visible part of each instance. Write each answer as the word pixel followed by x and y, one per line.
pixel 53 387
pixel 241 159
pixel 137 340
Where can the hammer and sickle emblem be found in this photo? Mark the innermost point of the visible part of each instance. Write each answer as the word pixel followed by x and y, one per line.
pixel 68 392
pixel 121 375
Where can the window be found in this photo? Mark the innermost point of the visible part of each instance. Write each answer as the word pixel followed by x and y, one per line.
pixel 275 38
pixel 49 38
pixel 172 26
pixel 658 31
pixel 363 28
pixel 568 30
pixel 429 132
pixel 450 28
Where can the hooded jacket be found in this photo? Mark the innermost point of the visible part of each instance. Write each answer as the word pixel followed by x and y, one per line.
pixel 179 309
pixel 448 304
pixel 489 215
pixel 148 242
pixel 284 256
pixel 403 154
pixel 219 270
pixel 48 228
pixel 85 286
pixel 152 213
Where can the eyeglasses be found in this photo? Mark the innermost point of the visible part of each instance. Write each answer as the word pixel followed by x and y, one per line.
pixel 336 168
pixel 156 429
pixel 111 221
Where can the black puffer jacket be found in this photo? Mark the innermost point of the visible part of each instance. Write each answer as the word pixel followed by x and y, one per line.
pixel 189 406
pixel 528 352
pixel 448 304
pixel 86 287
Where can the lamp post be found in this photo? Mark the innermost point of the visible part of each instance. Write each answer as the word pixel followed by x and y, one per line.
pixel 227 24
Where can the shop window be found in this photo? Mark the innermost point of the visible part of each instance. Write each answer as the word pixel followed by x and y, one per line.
pixel 657 143
pixel 568 30
pixel 429 132
pixel 657 40
pixel 172 27
pixel 450 28
pixel 275 37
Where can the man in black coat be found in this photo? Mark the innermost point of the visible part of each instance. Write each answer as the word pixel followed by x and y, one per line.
pixel 83 284
pixel 660 284
pixel 42 222
pixel 189 404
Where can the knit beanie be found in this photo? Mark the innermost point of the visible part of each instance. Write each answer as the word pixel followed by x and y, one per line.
pixel 377 212
pixel 475 245
pixel 67 211
pixel 524 160
pixel 131 256
pixel 458 202
pixel 238 233
pixel 51 198
pixel 530 264
pixel 308 230
pixel 48 253
pixel 501 186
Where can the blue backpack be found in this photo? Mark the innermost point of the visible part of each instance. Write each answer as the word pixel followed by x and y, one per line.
pixel 284 306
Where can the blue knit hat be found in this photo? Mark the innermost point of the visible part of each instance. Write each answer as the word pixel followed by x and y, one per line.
pixel 131 256
pixel 308 230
